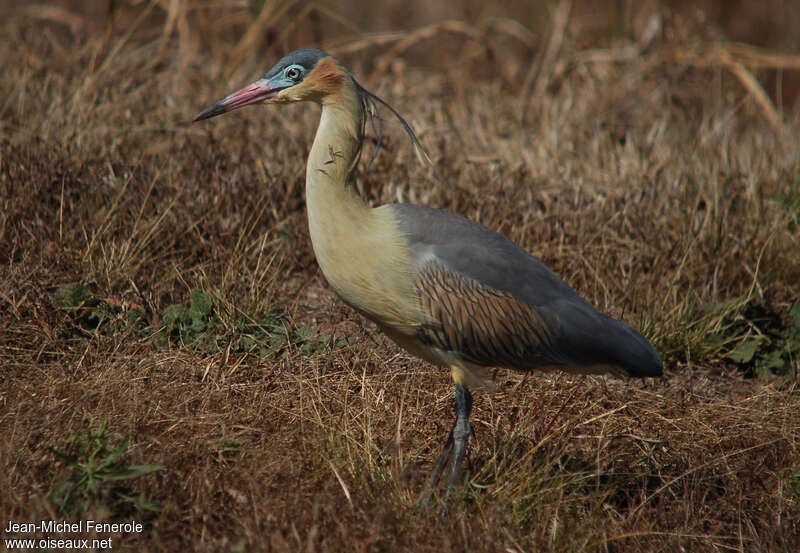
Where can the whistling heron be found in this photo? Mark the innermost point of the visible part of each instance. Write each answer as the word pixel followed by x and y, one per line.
pixel 447 289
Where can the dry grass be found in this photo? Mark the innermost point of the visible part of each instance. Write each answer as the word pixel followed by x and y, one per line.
pixel 654 172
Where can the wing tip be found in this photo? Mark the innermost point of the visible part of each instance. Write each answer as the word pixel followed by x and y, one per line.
pixel 643 361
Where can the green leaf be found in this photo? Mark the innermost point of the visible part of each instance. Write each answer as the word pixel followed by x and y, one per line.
pixel 277 341
pixel 65 458
pixel 794 313
pixel 201 302
pixel 74 295
pixel 199 323
pixel 175 314
pixel 141 502
pixel 114 455
pixel 135 317
pixel 744 351
pixel 305 333
pixel 247 343
pixel 774 361
pixel 133 471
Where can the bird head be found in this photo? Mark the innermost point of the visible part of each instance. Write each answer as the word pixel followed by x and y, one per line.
pixel 303 75
pixel 310 75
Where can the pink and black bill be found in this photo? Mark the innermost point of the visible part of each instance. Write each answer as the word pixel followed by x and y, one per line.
pixel 252 94
pixel 289 71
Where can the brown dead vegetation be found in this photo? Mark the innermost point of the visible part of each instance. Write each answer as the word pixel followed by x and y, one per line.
pixel 652 169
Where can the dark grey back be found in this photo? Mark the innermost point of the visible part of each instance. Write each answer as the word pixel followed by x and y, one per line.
pixel 579 334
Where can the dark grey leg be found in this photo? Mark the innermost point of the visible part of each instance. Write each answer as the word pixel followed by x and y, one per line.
pixel 437 470
pixel 460 432
pixel 457 437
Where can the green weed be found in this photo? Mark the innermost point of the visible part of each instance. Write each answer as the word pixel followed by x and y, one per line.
pixel 761 341
pixel 203 325
pixel 93 459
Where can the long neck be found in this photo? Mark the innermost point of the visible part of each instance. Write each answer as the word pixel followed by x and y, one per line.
pixel 338 219
pixel 336 150
pixel 360 250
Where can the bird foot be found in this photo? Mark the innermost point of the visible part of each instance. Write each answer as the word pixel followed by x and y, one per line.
pixel 455 448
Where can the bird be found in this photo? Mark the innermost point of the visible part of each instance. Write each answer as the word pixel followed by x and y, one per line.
pixel 446 289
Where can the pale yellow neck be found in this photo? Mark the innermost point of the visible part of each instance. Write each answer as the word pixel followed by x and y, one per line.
pixel 335 152
pixel 360 250
pixel 337 216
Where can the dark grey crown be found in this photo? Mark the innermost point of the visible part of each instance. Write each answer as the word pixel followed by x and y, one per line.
pixel 307 58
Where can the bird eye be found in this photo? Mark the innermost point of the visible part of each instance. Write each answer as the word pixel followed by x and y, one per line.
pixel 294 73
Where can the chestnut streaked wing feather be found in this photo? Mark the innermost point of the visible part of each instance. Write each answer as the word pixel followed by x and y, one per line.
pixel 484 326
pixel 494 304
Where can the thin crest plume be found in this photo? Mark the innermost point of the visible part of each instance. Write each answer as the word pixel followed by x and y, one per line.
pixel 368 100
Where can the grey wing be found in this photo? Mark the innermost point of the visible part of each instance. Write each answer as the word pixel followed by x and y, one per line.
pixel 493 304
